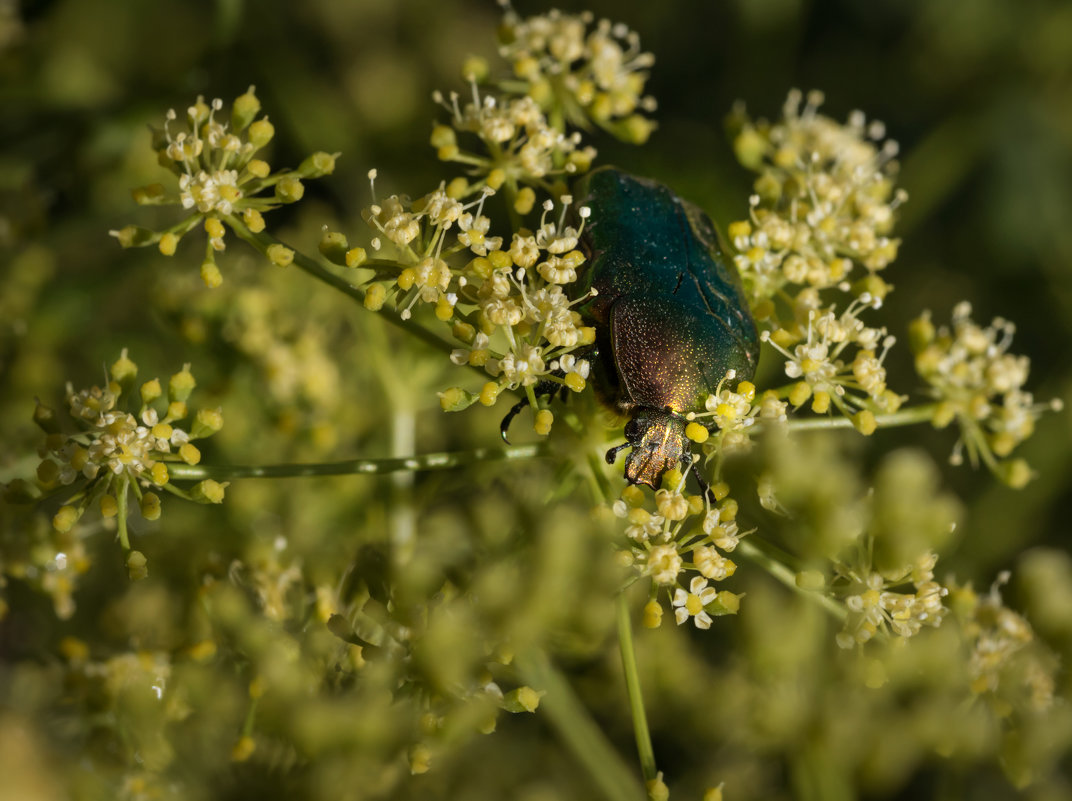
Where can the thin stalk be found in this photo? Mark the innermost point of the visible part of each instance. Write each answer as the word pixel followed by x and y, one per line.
pixel 429 461
pixel 632 684
pixel 261 241
pixel 905 417
pixel 749 550
pixel 121 513
pixel 578 731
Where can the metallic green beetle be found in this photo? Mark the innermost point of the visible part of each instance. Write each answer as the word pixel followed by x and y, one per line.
pixel 670 314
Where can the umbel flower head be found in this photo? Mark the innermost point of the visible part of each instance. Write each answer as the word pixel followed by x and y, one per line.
pixel 979 385
pixel 123 439
pixel 505 299
pixel 681 543
pixel 219 181
pixel 585 72
pixel 517 143
pixel 824 203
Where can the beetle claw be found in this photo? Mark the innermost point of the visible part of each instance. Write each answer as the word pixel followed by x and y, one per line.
pixel 504 426
pixel 544 389
pixel 612 454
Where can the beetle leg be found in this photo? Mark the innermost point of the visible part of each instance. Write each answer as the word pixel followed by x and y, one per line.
pixel 705 488
pixel 544 389
pixel 504 426
pixel 612 454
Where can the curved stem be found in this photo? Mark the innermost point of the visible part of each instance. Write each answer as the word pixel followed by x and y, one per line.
pixel 428 461
pixel 632 684
pixel 787 576
pixel 262 241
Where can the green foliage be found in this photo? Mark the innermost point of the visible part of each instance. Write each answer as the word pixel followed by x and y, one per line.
pixel 437 618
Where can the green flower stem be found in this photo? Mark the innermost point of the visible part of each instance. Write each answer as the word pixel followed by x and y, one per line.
pixel 428 461
pixel 578 731
pixel 632 684
pixel 121 513
pixel 787 576
pixel 905 417
pixel 262 241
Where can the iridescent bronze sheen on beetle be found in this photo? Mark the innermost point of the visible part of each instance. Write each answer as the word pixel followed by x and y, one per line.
pixel 670 315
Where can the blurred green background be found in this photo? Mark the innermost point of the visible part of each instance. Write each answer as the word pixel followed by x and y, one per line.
pixel 977 92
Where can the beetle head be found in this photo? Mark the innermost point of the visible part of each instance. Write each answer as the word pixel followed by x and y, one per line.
pixel 658 441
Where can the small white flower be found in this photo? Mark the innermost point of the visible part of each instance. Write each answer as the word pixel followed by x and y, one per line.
pixel 692 603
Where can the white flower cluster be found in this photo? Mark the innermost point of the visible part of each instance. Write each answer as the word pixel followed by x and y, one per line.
pixel 666 543
pixel 591 72
pixel 977 383
pixel 824 200
pixel 114 450
pixel 508 302
pixel 820 360
pixel 219 181
pixel 210 192
pixel 112 440
pixel 875 605
pixel 1002 655
pixel 518 144
pixel 523 300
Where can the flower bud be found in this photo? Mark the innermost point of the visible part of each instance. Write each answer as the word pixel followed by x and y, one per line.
pixel 181 384
pixel 244 109
pixel 137 566
pixel 375 296
pixel 261 133
pixel 355 257
pixel 289 190
pixel 333 247
pixel 318 164
pixel 523 699
pixel 280 255
pixel 206 423
pixel 208 491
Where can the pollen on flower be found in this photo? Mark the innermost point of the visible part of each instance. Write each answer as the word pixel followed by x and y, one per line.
pixel 663 564
pixel 978 383
pixel 594 71
pixel 691 603
pixel 882 601
pixel 120 439
pixel 824 201
pixel 216 177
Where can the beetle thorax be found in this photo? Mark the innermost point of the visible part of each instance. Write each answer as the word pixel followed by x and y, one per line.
pixel 659 444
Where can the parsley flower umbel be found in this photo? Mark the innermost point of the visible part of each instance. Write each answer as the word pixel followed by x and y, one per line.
pixel 1008 664
pixel 220 183
pixel 881 601
pixel 506 303
pixel 123 440
pixel 684 538
pixel 824 202
pixel 856 387
pixel 583 71
pixel 517 143
pixel 979 385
